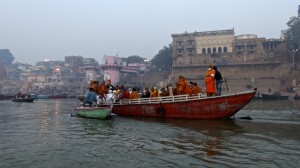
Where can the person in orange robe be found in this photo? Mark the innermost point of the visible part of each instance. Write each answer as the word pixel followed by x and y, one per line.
pixel 134 94
pixel 195 89
pixel 210 81
pixel 183 86
pixel 101 90
pixel 153 92
pixel 124 93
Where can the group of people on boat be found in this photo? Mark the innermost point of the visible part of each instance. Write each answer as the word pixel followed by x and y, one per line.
pixel 106 91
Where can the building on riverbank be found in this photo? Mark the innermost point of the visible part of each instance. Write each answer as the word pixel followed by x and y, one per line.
pixel 247 61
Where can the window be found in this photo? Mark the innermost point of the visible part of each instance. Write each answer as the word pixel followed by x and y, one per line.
pixel 214 50
pixel 219 50
pixel 191 61
pixel 191 50
pixel 239 48
pixel 191 42
pixel 208 50
pixel 203 51
pixel 179 42
pixel 179 51
pixel 225 49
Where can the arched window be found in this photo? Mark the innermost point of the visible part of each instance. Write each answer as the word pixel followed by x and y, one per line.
pixel 208 50
pixel 220 50
pixel 214 50
pixel 203 51
pixel 225 49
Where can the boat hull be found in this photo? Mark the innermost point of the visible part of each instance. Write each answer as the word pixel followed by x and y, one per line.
pixel 62 96
pixel 26 100
pixel 41 97
pixel 191 108
pixel 93 112
pixel 274 97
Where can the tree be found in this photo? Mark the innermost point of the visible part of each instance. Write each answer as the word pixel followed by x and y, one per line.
pixel 164 58
pixel 135 59
pixel 293 33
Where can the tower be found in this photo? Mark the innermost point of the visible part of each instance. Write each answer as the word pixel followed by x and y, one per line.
pixel 91 73
pixel 111 67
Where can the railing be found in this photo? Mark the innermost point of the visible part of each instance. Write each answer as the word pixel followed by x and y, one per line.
pixel 177 98
pixel 167 99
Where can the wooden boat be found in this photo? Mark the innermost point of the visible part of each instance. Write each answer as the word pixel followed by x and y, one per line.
pixel 102 112
pixel 274 97
pixel 27 100
pixel 185 106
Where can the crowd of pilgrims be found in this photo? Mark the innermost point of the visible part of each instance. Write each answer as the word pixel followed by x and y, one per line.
pixel 106 91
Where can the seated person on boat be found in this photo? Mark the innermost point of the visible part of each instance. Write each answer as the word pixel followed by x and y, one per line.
pixel 195 89
pixel 134 94
pixel 182 86
pixel 90 97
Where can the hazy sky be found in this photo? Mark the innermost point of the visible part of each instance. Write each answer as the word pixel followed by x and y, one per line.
pixel 34 30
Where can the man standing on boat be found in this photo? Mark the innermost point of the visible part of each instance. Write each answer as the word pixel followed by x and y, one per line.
pixel 210 81
pixel 218 80
pixel 90 97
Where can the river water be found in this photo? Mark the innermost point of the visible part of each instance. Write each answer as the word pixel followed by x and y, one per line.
pixel 43 134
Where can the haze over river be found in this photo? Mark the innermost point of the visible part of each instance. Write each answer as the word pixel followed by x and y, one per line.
pixel 43 134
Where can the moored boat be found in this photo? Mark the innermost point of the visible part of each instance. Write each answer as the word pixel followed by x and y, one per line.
pixel 41 96
pixel 296 97
pixel 6 97
pixel 27 100
pixel 185 106
pixel 59 96
pixel 274 97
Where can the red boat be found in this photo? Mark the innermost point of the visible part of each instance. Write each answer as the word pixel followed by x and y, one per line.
pixel 185 106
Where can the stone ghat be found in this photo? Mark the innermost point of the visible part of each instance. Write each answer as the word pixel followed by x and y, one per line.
pixel 273 76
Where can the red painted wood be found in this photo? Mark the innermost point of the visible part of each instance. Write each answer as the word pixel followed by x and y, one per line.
pixel 203 108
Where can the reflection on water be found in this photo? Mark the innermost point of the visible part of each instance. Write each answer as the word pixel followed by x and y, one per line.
pixel 43 134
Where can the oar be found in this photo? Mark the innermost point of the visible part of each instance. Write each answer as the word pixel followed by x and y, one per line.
pixel 73 109
pixel 226 85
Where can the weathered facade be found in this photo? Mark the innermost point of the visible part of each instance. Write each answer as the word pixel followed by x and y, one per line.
pixel 246 60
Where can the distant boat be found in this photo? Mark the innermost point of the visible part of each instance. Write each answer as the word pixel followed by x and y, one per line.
pixel 27 100
pixel 296 97
pixel 58 96
pixel 6 97
pixel 41 97
pixel 274 97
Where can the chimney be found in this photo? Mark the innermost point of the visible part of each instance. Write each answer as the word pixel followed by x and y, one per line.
pixel 299 11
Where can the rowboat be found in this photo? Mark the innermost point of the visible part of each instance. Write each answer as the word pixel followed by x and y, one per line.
pixel 98 112
pixel 27 100
pixel 185 106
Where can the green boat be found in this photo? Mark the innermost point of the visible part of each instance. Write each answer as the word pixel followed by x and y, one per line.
pixel 102 112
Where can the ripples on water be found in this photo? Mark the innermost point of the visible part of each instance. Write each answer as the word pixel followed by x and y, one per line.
pixel 43 134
